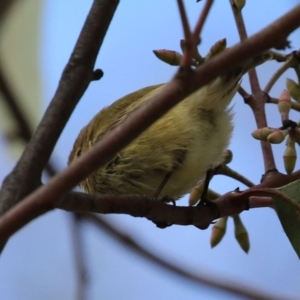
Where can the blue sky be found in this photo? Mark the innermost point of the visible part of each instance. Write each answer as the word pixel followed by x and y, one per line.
pixel 38 260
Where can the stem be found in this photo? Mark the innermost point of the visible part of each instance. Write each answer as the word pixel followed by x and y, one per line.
pixel 202 19
pixel 80 262
pixel 289 63
pixel 295 105
pixel 243 93
pixel 225 170
pixel 296 69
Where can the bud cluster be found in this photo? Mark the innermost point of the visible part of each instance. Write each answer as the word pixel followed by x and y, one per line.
pixel 173 58
pixel 240 232
pixel 289 130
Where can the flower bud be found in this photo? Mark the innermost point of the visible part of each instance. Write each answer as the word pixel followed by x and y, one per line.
pixel 217 48
pixel 227 157
pixel 277 136
pixel 218 231
pixel 196 193
pixel 284 105
pixel 293 88
pixel 290 156
pixel 239 4
pixel 170 57
pixel 241 233
pixel 262 133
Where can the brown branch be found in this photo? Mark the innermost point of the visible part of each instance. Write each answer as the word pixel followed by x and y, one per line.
pixel 134 205
pixel 22 123
pixel 239 21
pixel 80 263
pixel 189 42
pixel 181 86
pixel 202 19
pixel 257 100
pixel 274 179
pixel 240 24
pixel 156 211
pixel 75 79
pixel 243 93
pixel 200 279
pixel 192 39
pixel 269 192
pixel 259 201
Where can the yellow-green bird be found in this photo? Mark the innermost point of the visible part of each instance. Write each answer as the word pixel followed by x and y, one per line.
pixel 173 154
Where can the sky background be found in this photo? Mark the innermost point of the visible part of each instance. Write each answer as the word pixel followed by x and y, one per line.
pixel 38 262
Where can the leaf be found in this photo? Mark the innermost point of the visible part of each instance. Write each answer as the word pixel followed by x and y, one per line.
pixel 289 216
pixel 19 57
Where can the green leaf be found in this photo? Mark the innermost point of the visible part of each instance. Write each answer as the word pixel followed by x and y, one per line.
pixel 289 216
pixel 19 57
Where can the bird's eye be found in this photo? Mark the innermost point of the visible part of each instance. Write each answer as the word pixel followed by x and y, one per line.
pixel 78 153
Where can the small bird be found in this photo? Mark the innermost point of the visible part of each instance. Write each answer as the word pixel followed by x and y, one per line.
pixel 168 159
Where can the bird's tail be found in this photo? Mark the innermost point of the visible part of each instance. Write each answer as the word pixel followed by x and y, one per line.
pixel 237 72
pixel 220 91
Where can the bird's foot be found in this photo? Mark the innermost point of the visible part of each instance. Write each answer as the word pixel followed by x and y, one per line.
pixel 205 202
pixel 163 225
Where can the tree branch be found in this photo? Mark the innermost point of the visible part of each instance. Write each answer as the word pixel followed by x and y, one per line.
pixel 200 279
pixel 80 262
pixel 75 79
pixel 257 100
pixel 201 216
pixel 184 83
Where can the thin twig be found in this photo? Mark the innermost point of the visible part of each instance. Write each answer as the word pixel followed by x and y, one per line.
pixel 289 63
pixel 257 99
pixel 239 20
pixel 200 279
pixel 243 93
pixel 81 270
pixel 240 24
pixel 270 192
pixel 225 170
pixel 189 42
pixel 184 20
pixel 199 26
pixel 295 105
